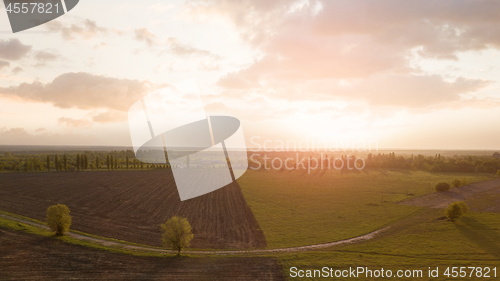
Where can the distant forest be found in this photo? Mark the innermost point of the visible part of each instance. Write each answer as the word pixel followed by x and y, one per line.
pixel 125 160
pixel 437 163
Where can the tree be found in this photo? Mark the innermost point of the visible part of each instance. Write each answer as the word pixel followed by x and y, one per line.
pixel 56 162
pixel 463 206
pixel 108 166
pixel 442 186
pixel 65 160
pixel 86 162
pixel 78 162
pixel 177 233
pixel 58 218
pixel 456 210
pixel 126 161
pixel 48 162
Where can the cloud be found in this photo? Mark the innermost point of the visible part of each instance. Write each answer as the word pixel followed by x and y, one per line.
pixel 74 123
pixel 395 90
pixel 159 7
pixel 13 49
pixel 100 46
pixel 19 136
pixel 109 117
pixel 4 64
pixel 309 47
pixel 85 29
pixel 171 45
pixel 216 107
pixel 441 27
pixel 13 135
pixel 144 35
pixel 414 90
pixel 16 70
pixel 181 49
pixel 44 56
pixel 83 91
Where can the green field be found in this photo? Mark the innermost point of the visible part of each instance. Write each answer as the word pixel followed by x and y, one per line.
pixel 419 242
pixel 295 208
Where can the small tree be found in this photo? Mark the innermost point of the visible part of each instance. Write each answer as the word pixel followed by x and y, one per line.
pixel 463 206
pixel 48 163
pixel 177 233
pixel 456 183
pixel 442 186
pixel 86 162
pixel 464 181
pixel 65 161
pixel 78 162
pixel 56 162
pixel 456 210
pixel 58 218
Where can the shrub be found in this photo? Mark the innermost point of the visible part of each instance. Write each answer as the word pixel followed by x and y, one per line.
pixel 465 181
pixel 177 233
pixel 58 218
pixel 456 183
pixel 442 186
pixel 498 173
pixel 456 210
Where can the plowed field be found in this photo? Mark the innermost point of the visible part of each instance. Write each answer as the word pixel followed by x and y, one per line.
pixel 131 205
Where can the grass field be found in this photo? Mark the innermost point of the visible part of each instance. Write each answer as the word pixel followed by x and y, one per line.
pixel 295 208
pixel 419 242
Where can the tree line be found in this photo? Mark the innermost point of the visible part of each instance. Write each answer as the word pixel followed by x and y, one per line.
pixel 437 163
pixel 88 160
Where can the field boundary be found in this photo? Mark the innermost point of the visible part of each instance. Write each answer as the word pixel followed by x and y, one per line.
pixel 124 245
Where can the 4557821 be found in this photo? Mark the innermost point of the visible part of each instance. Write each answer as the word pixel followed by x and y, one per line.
pixel 471 272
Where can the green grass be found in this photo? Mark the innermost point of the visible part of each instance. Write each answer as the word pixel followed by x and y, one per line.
pixel 422 241
pixel 78 232
pixel 295 208
pixel 475 236
pixel 9 224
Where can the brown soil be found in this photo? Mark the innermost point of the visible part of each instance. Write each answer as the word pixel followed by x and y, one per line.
pixel 29 257
pixel 481 196
pixel 131 205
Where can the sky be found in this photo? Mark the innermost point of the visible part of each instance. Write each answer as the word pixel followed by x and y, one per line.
pixel 405 74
